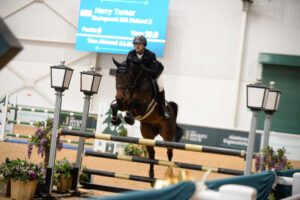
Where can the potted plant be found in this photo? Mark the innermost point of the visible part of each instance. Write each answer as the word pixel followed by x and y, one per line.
pixel 24 177
pixel 135 150
pixel 42 139
pixel 84 177
pixel 62 174
pixel 5 178
pixel 272 160
pixel 4 187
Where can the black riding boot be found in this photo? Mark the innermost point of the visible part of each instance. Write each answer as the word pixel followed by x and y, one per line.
pixel 162 104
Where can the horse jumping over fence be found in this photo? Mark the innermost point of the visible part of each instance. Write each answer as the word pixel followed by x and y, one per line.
pixel 135 94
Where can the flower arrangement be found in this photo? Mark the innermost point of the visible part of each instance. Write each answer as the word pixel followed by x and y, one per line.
pixel 5 169
pixel 21 170
pixel 123 132
pixel 42 139
pixel 271 159
pixel 134 149
pixel 62 170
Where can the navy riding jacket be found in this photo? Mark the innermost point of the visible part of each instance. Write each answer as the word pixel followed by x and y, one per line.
pixel 151 65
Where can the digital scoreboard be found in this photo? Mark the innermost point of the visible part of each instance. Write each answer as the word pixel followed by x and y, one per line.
pixel 109 26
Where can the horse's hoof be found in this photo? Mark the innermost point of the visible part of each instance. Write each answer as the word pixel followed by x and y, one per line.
pixel 115 107
pixel 116 121
pixel 129 119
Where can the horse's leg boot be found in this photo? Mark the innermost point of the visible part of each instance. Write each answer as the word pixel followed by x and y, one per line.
pixel 129 119
pixel 116 121
pixel 115 118
pixel 162 104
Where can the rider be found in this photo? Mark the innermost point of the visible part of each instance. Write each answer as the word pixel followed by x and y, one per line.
pixel 153 67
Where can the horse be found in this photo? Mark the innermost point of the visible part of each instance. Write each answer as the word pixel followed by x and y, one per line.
pixel 135 94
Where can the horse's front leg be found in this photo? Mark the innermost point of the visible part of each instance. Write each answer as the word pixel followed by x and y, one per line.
pixel 129 119
pixel 115 118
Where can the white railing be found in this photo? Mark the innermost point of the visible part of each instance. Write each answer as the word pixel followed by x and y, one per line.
pixel 227 192
pixel 237 192
pixel 294 182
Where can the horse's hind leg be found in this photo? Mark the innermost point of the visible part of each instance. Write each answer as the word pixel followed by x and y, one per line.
pixel 149 132
pixel 168 132
pixel 170 154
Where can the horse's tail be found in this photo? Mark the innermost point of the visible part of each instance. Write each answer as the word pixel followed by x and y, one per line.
pixel 179 130
pixel 174 107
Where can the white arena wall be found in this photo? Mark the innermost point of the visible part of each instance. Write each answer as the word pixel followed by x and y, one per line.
pixel 208 60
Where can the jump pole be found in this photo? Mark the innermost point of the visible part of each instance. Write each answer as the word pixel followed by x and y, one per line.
pixel 119 175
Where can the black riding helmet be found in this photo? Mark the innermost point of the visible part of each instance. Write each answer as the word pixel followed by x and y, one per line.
pixel 140 39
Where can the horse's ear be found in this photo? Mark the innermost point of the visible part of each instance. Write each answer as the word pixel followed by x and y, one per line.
pixel 116 62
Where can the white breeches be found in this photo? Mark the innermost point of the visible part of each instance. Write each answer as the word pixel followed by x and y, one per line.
pixel 160 83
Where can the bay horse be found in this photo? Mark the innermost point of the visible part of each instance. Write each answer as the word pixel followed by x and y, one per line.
pixel 135 94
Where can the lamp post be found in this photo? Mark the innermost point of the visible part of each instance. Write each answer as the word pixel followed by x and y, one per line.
pixel 271 107
pixel 60 80
pixel 89 85
pixel 257 95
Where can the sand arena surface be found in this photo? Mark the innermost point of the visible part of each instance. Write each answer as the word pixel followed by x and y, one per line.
pixel 13 151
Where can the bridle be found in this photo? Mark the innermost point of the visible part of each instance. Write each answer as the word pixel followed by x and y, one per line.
pixel 130 88
pixel 132 85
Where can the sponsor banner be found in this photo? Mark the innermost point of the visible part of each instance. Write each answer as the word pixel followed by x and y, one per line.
pixel 215 137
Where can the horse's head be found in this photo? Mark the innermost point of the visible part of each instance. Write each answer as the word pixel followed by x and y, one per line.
pixel 130 78
pixel 135 66
pixel 123 80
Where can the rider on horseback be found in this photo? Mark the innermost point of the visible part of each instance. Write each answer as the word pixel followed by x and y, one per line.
pixel 150 65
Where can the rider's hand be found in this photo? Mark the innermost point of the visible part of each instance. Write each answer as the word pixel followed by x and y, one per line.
pixel 134 60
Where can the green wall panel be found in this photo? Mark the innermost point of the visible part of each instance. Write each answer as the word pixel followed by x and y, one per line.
pixel 279 59
pixel 287 79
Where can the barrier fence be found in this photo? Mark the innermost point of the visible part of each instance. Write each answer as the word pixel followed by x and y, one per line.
pixel 157 143
pixel 5 108
pixel 164 163
pixel 188 147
